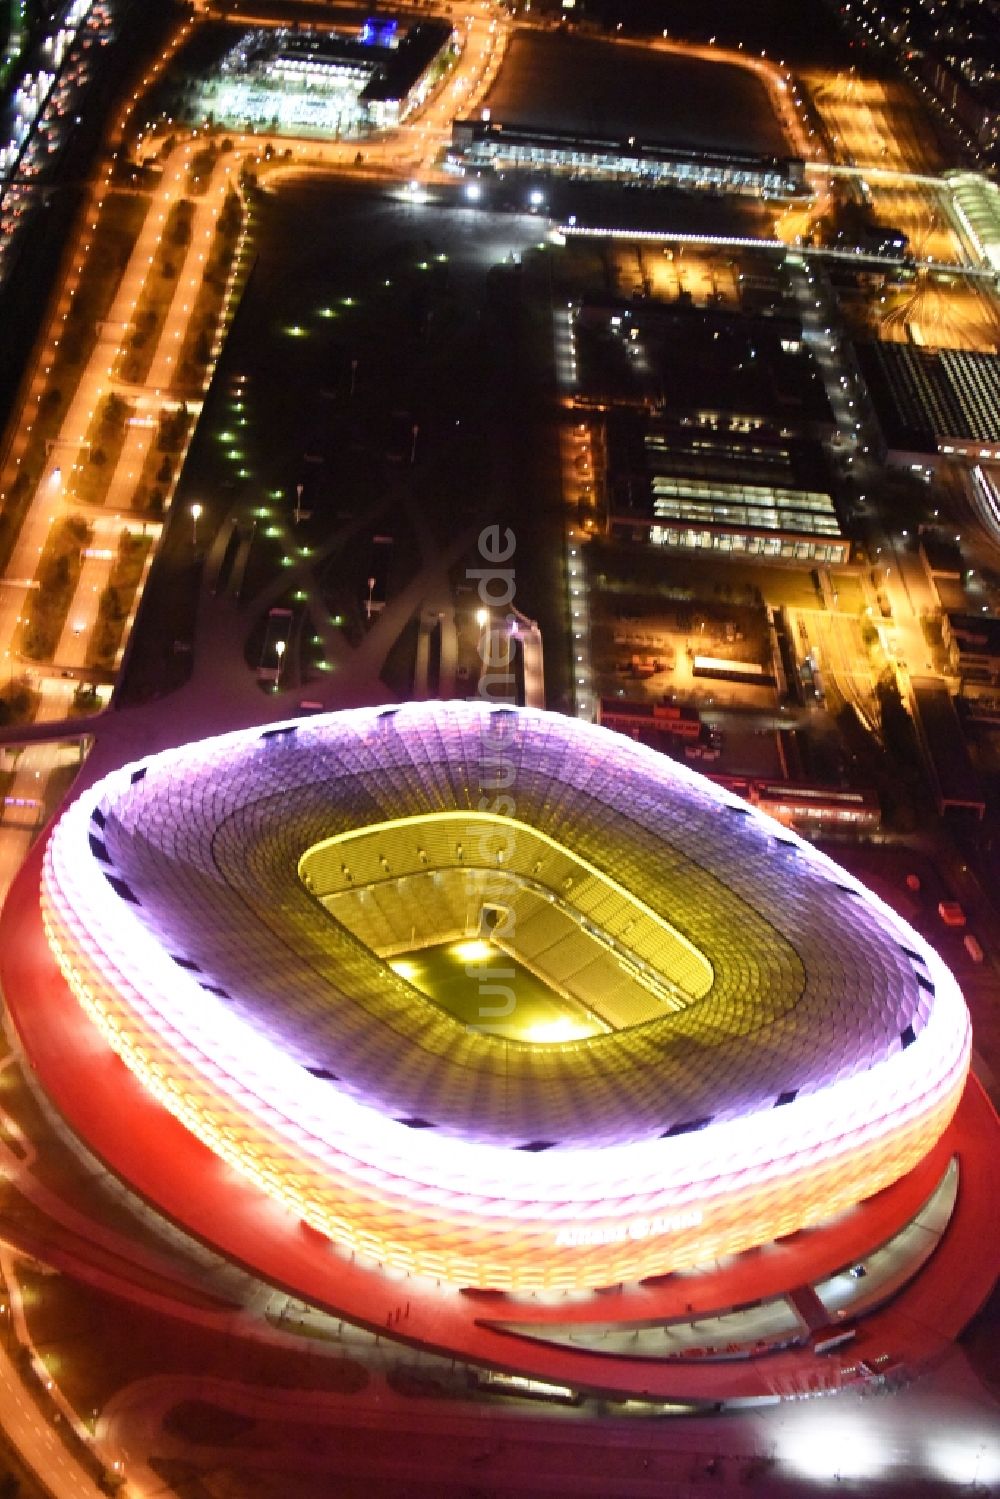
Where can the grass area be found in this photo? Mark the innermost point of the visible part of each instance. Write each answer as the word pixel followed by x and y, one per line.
pixel 850 596
pixel 151 310
pixel 58 573
pixel 471 981
pixel 200 170
pixel 196 350
pixel 19 1479
pixel 111 246
pixel 16 1480
pixel 112 242
pixel 155 476
pixel 117 599
pixel 106 438
pixel 56 1166
pixel 85 701
pixel 18 702
pixel 184 1479
pixel 58 784
pixel 159 655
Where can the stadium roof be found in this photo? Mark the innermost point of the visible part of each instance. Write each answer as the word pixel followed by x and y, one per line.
pixel 223 913
pixel 206 842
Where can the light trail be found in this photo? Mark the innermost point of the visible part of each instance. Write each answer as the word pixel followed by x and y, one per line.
pixel 752 242
pixel 892 175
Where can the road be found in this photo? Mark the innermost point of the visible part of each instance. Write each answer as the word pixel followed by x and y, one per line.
pixel 36 1439
pixel 409 152
pixel 923 1443
pixel 883 146
pixel 936 313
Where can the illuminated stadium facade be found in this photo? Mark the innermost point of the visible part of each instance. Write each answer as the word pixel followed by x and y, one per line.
pixel 499 1001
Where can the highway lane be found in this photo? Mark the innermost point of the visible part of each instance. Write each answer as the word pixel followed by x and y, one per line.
pixel 36 1439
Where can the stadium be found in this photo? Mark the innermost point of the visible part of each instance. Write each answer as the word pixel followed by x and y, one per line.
pixel 504 1004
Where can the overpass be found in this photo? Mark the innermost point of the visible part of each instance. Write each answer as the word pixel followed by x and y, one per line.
pixel 859 258
pixel 887 176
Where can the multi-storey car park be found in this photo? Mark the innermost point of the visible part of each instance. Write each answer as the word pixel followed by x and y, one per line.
pixel 311 84
pixel 504 1003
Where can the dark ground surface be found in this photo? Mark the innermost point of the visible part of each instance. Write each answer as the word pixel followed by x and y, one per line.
pixel 803 35
pixel 403 315
pixel 559 81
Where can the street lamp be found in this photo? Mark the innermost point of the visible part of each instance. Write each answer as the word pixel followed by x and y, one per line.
pixel 195 513
pixel 279 651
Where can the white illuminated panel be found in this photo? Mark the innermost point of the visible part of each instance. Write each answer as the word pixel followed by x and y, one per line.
pixel 459 1202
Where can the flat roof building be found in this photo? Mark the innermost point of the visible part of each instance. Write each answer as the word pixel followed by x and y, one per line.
pixel 592 106
pixel 931 404
pixel 495 146
pixel 955 781
pixel 818 809
pixel 732 484
pixel 329 83
pixel 661 726
pixel 973 645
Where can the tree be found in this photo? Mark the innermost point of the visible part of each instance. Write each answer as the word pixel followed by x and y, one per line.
pixel 111 605
pixel 115 410
pixel 78 527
